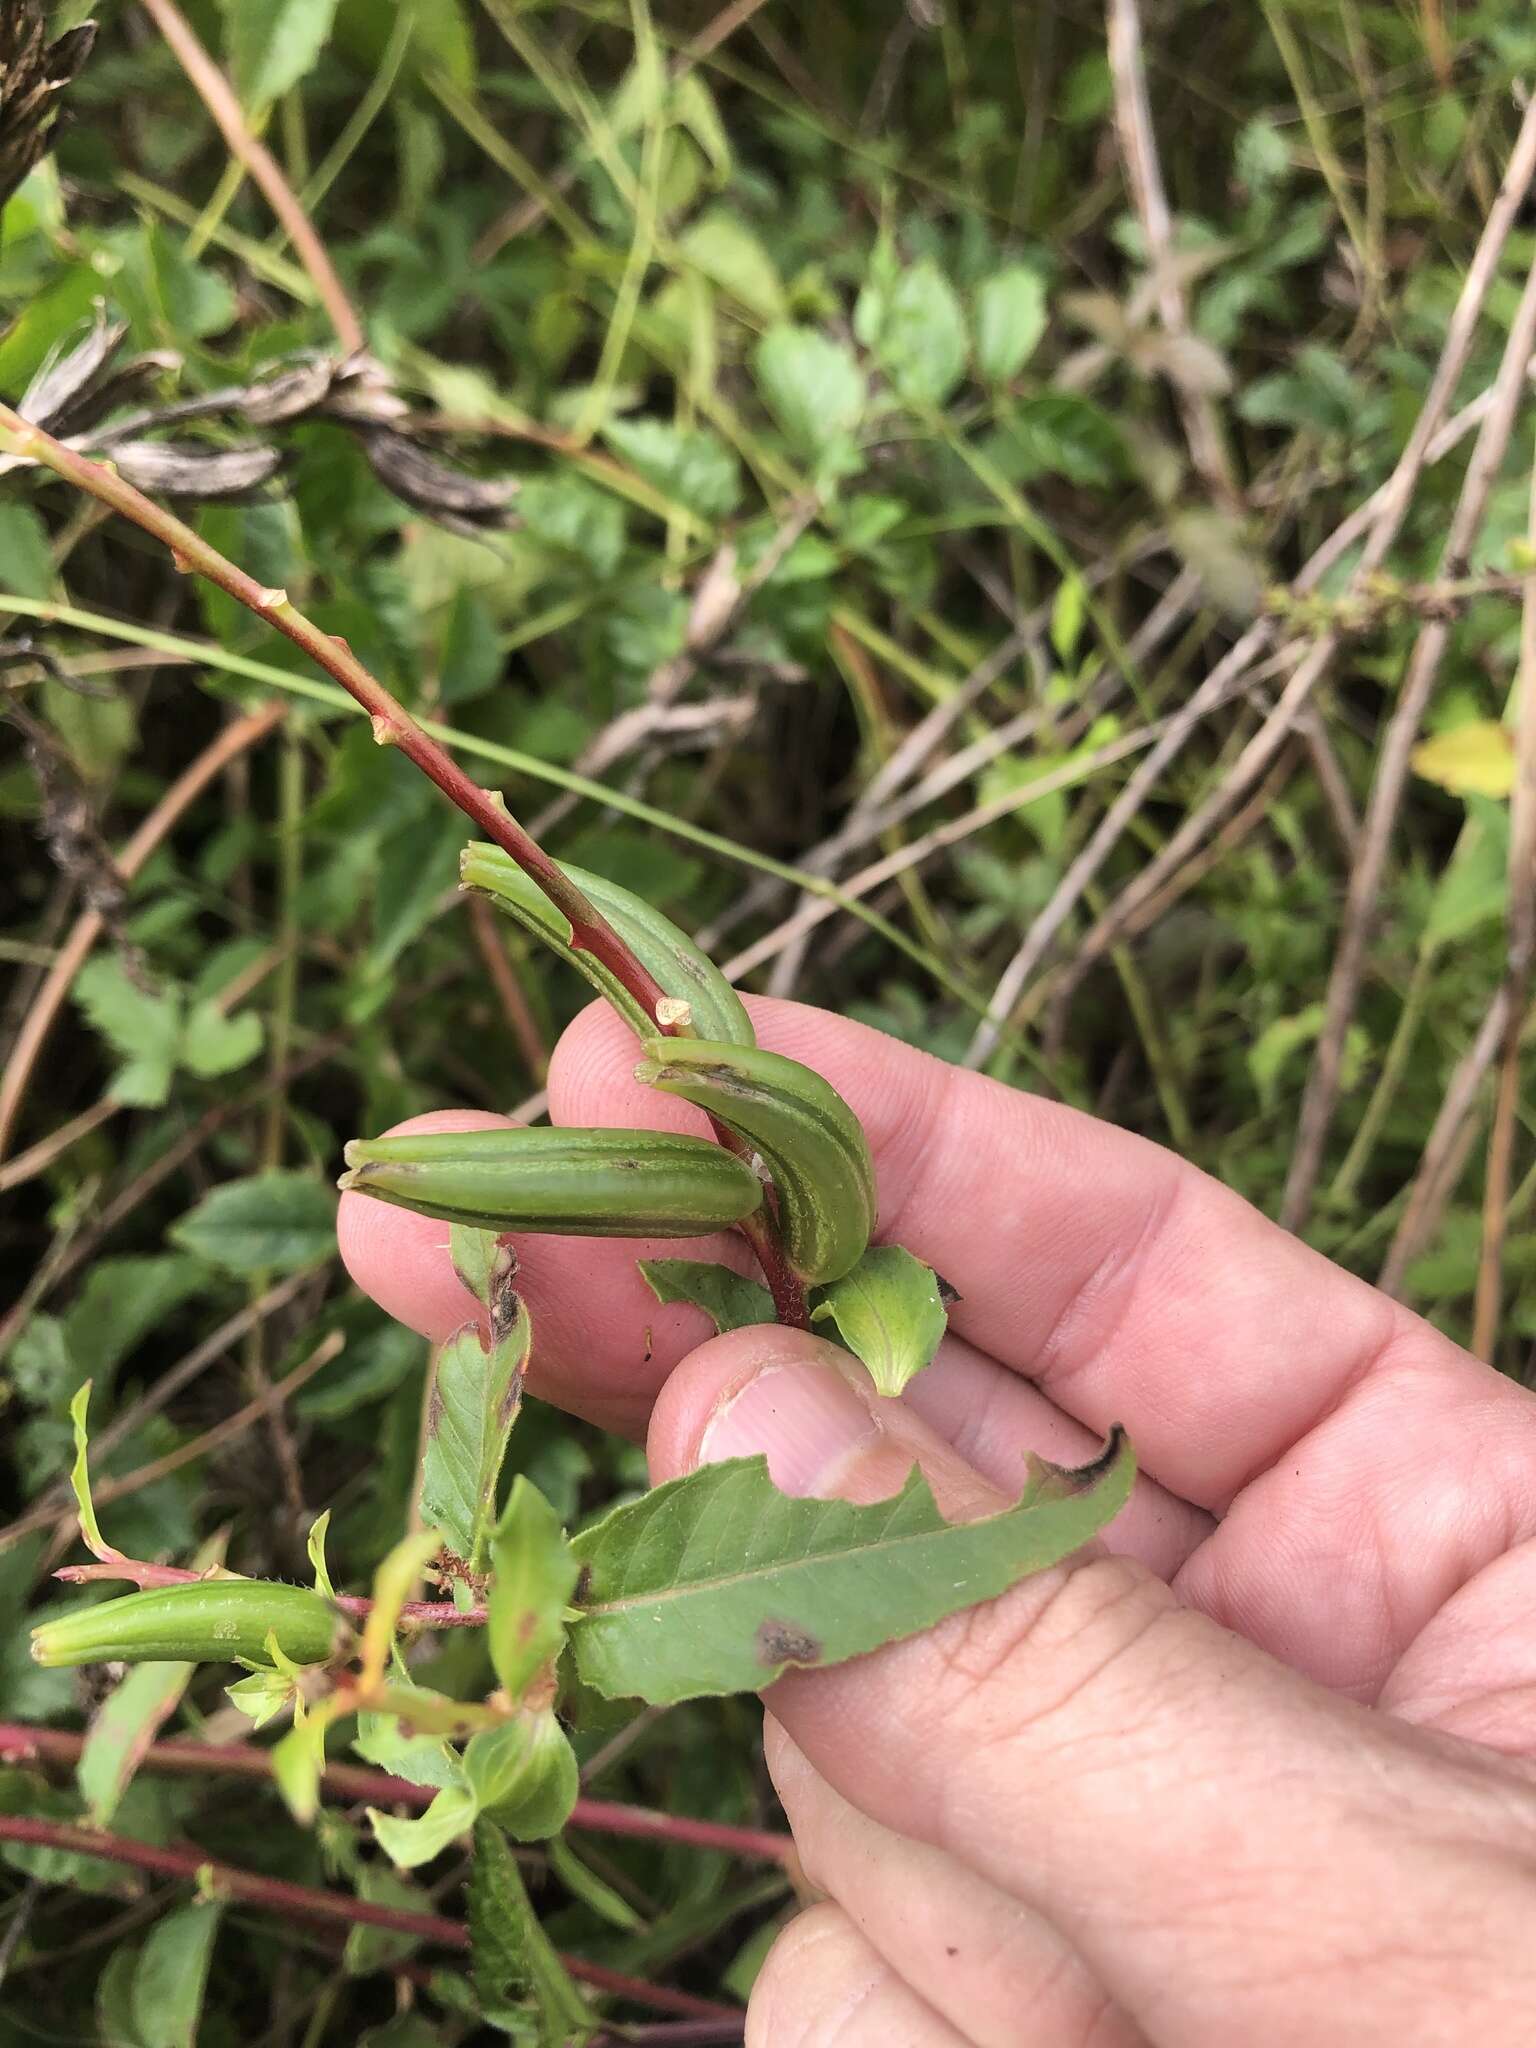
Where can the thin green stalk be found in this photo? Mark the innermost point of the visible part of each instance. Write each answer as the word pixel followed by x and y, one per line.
pixel 642 246
pixel 257 258
pixel 1315 121
pixel 1346 1181
pixel 218 203
pixel 362 117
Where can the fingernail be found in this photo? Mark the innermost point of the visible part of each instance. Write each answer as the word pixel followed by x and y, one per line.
pixel 818 1436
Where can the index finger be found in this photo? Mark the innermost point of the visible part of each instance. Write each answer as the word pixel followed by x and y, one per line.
pixel 1128 1284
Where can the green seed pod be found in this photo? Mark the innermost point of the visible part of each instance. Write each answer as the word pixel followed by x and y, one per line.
pixel 688 976
pixel 581 1183
pixel 213 1621
pixel 813 1144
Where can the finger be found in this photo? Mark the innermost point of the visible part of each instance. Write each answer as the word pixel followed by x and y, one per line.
pixel 1254 1376
pixel 1235 1853
pixel 602 1341
pixel 1472 1671
pixel 603 1345
pixel 974 1954
pixel 823 1986
pixel 1132 1287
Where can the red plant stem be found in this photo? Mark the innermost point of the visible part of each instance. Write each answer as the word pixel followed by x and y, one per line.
pixel 394 726
pixel 308 1902
pixel 414 1614
pixel 176 1756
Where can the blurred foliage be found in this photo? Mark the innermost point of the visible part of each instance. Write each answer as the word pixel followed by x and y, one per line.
pixel 820 347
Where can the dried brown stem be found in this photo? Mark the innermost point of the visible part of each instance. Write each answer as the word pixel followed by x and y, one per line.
pixel 218 96
pixel 1379 520
pixel 1144 177
pixel 1520 918
pixel 1322 1091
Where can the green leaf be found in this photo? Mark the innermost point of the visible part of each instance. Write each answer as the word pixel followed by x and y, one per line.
pixel 533 1575
pixel 123 1727
pixel 408 1843
pixel 717 1583
pixel 731 1301
pixel 271 46
pixel 574 518
pixel 269 1222
pixel 297 1762
pixel 724 248
pixel 172 1975
pixel 889 1313
pixel 260 1696
pixel 513 1957
pixel 1474 887
pixel 1471 760
pixel 524 1775
pixel 474 1403
pixel 213 1044
pixel 691 465
pixel 142 1028
pixel 919 337
pixel 815 390
pixel 80 1475
pixel 1010 319
pixel 25 551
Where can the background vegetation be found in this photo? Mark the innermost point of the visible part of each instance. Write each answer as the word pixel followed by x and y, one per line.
pixel 855 437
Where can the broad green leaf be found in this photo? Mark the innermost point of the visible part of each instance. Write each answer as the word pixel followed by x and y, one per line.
pixel 816 391
pixel 731 1301
pixel 690 464
pixel 172 1975
pixel 717 1582
pixel 889 1313
pixel 378 1948
pixel 25 551
pixel 513 1956
pixel 724 248
pixel 479 1259
pixel 143 1028
pixel 1472 760
pixel 920 339
pixel 297 1762
pixel 524 1775
pixel 270 1222
pixel 272 44
pixel 408 1843
pixel 533 1575
pixel 121 1730
pixel 1010 319
pixel 474 1403
pixel 213 1044
pixel 1474 888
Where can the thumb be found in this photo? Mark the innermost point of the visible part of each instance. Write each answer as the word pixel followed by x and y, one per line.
pixel 1227 1845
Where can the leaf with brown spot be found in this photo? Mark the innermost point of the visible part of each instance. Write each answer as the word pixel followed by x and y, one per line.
pixel 718 1582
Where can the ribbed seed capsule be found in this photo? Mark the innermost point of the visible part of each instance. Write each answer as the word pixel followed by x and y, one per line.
pixel 811 1141
pixel 581 1183
pixel 676 963
pixel 213 1621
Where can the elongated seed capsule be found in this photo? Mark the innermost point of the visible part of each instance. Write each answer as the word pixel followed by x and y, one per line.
pixel 581 1183
pixel 811 1141
pixel 715 1011
pixel 213 1621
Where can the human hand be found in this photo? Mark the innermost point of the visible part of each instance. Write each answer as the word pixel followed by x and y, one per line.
pixel 1261 1774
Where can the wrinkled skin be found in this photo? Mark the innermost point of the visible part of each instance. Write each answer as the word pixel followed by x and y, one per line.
pixel 1257 1771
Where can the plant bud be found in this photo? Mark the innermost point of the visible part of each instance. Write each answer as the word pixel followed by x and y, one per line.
pixel 213 1621
pixel 687 975
pixel 811 1141
pixel 580 1183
